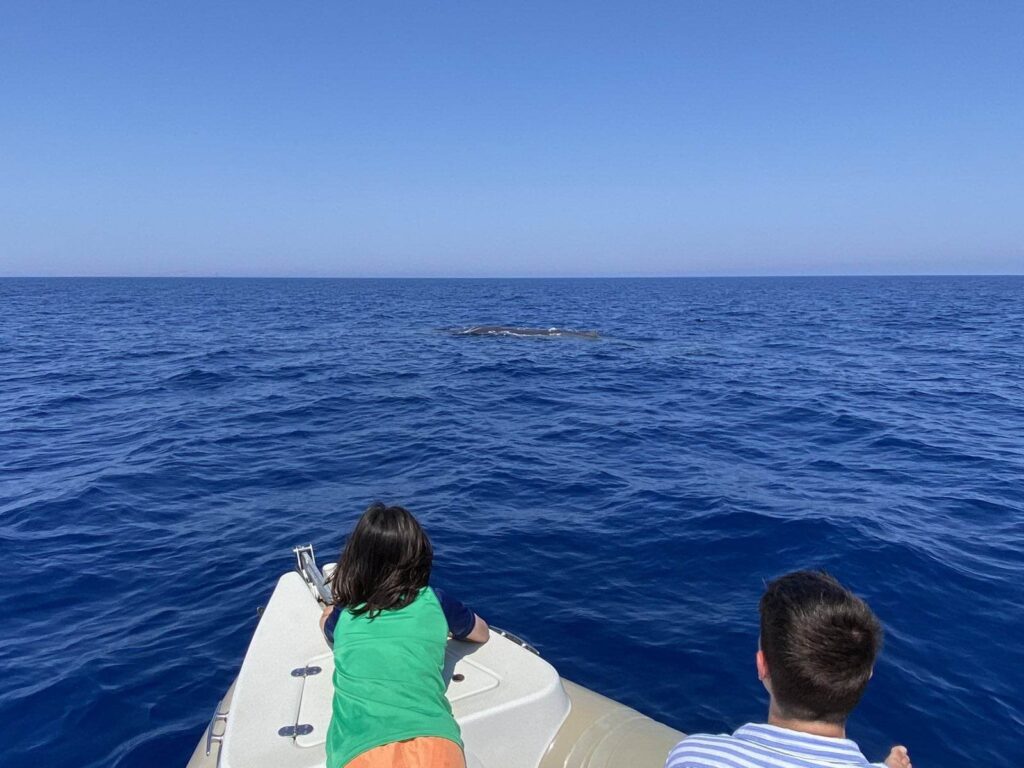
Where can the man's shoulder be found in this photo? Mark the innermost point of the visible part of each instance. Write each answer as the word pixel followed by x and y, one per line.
pixel 703 750
pixel 758 745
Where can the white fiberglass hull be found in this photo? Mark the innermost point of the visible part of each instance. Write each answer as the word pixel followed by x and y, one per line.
pixel 512 707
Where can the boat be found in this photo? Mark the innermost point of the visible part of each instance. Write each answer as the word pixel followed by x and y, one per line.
pixel 513 708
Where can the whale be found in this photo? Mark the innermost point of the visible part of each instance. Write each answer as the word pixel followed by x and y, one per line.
pixel 512 330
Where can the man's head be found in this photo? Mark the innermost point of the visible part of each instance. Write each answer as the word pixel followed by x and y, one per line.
pixel 818 646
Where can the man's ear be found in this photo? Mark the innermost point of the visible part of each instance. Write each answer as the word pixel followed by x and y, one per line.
pixel 762 666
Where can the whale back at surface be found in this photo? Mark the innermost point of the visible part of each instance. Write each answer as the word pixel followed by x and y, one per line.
pixel 510 330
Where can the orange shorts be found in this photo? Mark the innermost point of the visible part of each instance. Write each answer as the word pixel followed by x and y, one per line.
pixel 424 752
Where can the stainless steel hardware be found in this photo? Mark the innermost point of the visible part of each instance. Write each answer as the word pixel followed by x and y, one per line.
pixel 305 564
pixel 291 731
pixel 218 738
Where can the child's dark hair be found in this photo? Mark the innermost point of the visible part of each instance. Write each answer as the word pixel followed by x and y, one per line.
pixel 385 563
pixel 819 642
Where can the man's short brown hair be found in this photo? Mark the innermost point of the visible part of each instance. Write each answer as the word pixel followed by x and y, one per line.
pixel 819 642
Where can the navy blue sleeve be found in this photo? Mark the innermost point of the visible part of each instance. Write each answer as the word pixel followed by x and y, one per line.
pixel 330 624
pixel 461 620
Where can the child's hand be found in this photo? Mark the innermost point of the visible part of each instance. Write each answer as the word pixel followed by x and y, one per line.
pixel 898 758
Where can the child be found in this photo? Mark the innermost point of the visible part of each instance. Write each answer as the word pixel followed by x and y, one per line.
pixel 389 630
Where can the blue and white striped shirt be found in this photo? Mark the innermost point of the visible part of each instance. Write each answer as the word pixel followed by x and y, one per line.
pixel 765 746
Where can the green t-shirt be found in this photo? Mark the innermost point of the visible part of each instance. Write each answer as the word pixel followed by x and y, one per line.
pixel 388 679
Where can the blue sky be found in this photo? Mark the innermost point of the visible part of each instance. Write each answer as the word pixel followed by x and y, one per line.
pixel 515 138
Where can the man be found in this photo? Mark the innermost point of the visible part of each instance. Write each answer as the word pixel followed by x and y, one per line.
pixel 817 652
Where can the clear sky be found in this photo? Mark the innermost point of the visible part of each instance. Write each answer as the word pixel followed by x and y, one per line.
pixel 511 138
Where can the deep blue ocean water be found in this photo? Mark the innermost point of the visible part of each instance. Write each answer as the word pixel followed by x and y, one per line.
pixel 619 502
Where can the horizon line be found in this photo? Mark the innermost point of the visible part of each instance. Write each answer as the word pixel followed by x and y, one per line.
pixel 512 277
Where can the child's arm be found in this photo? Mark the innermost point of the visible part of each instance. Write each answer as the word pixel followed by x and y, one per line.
pixel 327 624
pixel 481 632
pixel 462 622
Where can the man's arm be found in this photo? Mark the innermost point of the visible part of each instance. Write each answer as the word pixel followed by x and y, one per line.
pixel 898 758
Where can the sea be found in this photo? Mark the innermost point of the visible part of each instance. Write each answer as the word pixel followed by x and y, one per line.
pixel 620 502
